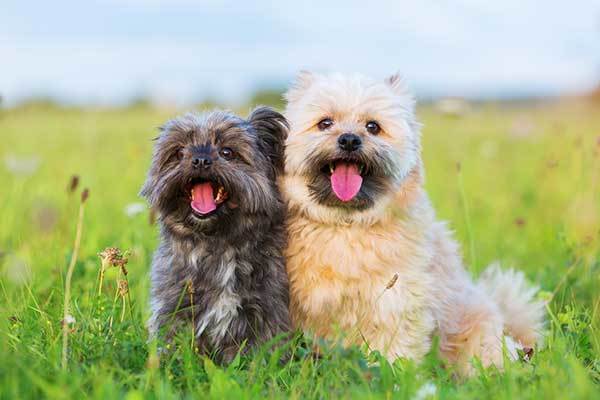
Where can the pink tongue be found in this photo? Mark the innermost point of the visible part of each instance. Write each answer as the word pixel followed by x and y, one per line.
pixel 203 201
pixel 346 181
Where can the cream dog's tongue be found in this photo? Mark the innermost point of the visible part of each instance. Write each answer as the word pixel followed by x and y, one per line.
pixel 203 200
pixel 346 181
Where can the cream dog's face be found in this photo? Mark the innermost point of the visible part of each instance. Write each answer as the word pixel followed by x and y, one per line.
pixel 353 141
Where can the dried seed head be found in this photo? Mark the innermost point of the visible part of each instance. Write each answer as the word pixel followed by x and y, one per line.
pixel 109 255
pixel 392 282
pixel 123 287
pixel 114 257
pixel 85 194
pixel 190 287
pixel 73 183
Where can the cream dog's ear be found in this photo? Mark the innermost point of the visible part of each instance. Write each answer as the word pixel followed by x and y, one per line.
pixel 301 83
pixel 400 88
pixel 397 83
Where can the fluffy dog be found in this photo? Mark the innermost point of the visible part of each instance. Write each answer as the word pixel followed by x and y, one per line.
pixel 219 264
pixel 366 254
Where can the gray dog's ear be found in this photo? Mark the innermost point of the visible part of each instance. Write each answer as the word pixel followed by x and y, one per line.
pixel 272 130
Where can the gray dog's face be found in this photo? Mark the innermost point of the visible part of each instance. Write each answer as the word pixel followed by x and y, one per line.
pixel 210 170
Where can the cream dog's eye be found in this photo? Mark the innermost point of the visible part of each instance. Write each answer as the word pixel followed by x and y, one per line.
pixel 373 127
pixel 325 123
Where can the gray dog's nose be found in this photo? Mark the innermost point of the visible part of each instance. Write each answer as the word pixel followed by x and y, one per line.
pixel 349 142
pixel 201 161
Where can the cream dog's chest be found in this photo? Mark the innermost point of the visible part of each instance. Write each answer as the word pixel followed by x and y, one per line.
pixel 350 253
pixel 347 272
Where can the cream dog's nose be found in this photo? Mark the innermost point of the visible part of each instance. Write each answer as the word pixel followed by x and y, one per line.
pixel 349 142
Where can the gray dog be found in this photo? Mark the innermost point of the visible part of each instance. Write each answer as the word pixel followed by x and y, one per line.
pixel 219 264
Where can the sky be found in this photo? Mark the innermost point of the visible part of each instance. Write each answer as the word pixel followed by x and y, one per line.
pixel 183 51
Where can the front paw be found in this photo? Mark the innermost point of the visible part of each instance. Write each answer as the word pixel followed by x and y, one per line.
pixel 490 350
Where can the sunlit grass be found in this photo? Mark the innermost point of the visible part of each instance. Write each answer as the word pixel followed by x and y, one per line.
pixel 530 176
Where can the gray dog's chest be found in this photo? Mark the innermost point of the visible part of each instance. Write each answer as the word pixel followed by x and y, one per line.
pixel 217 268
pixel 223 302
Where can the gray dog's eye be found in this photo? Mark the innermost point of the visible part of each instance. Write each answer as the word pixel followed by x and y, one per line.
pixel 325 123
pixel 226 153
pixel 373 127
pixel 179 154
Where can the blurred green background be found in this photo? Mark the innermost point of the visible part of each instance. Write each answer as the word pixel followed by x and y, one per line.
pixel 529 173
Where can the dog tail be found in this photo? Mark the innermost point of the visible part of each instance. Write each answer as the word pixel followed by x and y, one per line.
pixel 523 315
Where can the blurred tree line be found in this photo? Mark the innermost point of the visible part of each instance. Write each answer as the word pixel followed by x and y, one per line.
pixel 272 97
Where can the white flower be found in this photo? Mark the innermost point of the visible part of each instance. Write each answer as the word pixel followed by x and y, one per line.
pixel 21 165
pixel 426 391
pixel 17 270
pixel 133 209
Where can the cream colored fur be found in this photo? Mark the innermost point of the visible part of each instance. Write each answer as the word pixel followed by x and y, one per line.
pixel 390 276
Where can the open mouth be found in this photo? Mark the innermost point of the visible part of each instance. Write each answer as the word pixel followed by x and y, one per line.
pixel 346 177
pixel 206 197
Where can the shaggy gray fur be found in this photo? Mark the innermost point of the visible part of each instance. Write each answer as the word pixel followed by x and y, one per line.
pixel 224 271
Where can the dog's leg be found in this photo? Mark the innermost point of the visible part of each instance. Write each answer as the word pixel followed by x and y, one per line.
pixel 471 328
pixel 523 314
pixel 239 335
pixel 252 327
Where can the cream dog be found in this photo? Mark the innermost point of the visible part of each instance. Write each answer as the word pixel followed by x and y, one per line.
pixel 366 255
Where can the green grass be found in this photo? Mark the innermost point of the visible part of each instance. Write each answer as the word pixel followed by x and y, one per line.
pixel 519 184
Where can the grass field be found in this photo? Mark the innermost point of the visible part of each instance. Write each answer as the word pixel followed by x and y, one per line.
pixel 519 184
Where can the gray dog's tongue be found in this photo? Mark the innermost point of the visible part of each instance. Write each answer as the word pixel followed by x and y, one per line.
pixel 203 200
pixel 346 181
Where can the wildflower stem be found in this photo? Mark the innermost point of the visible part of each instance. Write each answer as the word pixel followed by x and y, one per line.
pixel 565 276
pixel 130 305
pixel 123 309
pixel 112 311
pixel 191 292
pixel 101 279
pixel 365 315
pixel 465 204
pixel 67 299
